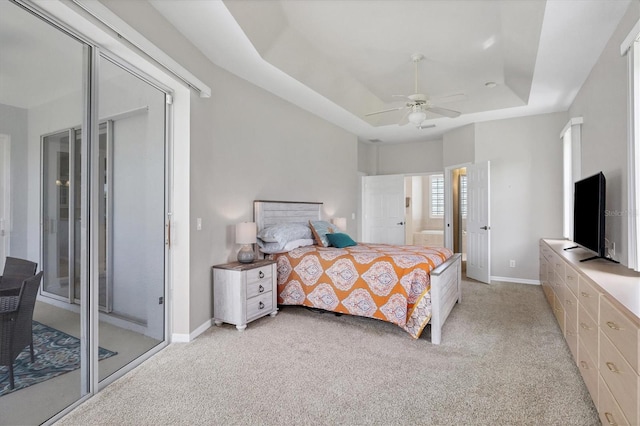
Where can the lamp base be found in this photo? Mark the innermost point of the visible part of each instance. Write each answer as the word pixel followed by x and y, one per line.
pixel 246 254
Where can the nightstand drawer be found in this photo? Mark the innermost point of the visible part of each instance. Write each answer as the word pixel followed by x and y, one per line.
pixel 257 306
pixel 257 288
pixel 259 274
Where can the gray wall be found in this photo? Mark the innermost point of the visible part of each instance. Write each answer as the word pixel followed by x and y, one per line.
pixel 281 153
pixel 526 188
pixel 407 158
pixel 459 146
pixel 602 102
pixel 13 122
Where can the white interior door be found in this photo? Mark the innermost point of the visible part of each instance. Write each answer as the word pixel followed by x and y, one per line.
pixel 5 197
pixel 478 223
pixel 384 209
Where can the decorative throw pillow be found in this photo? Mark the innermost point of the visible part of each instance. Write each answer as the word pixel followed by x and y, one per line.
pixel 285 232
pixel 340 240
pixel 320 229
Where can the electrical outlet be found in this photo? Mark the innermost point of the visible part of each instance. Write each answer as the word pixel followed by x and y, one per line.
pixel 512 264
pixel 199 224
pixel 612 250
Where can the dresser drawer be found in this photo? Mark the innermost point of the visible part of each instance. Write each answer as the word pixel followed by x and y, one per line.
pixel 257 306
pixel 621 331
pixel 620 378
pixel 588 332
pixel 589 298
pixel 571 280
pixel 609 410
pixel 588 369
pixel 558 265
pixel 558 311
pixel 571 336
pixel 571 309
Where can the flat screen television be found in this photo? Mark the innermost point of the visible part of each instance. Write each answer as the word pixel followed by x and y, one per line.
pixel 589 214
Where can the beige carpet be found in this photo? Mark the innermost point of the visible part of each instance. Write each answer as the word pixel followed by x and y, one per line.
pixel 502 361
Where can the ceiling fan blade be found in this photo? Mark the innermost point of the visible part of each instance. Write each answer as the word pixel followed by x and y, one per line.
pixel 405 118
pixel 443 111
pixel 385 110
pixel 453 97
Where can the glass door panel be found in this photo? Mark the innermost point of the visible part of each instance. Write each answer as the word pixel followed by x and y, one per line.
pixel 41 102
pixel 131 230
pixel 56 185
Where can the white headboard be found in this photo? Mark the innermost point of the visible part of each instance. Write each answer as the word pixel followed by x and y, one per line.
pixel 269 213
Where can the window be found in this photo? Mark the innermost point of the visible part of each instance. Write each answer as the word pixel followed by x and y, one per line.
pixel 570 137
pixel 463 196
pixel 631 48
pixel 437 196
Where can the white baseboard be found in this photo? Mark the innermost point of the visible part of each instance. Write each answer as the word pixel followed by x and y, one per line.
pixel 515 280
pixel 185 338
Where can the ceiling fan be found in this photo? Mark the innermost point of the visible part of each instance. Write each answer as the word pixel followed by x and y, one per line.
pixel 419 104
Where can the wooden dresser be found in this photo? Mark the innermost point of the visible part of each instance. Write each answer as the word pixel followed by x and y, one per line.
pixel 597 305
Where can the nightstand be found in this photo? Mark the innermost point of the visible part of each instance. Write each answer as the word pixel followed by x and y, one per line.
pixel 243 292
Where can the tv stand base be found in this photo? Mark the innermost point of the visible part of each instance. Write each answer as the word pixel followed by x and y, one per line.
pixel 599 257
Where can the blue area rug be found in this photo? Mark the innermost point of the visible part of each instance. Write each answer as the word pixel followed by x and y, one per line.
pixel 56 353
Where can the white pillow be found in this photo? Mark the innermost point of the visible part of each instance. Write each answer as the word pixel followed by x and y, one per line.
pixel 285 232
pixel 273 248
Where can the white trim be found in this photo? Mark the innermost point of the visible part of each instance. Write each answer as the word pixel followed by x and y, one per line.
pixel 634 35
pixel 572 122
pixel 186 338
pixel 514 280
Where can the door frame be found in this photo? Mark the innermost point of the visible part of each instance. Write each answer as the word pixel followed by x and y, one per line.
pixel 5 215
pixel 448 203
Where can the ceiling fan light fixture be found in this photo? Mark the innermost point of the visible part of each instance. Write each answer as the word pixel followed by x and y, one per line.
pixel 417 116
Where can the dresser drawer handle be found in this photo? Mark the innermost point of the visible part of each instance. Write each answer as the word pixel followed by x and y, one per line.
pixel 260 288
pixel 570 333
pixel 261 305
pixel 610 419
pixel 612 325
pixel 570 277
pixel 584 365
pixel 612 367
pixel 261 274
pixel 568 301
pixel 584 294
pixel 585 326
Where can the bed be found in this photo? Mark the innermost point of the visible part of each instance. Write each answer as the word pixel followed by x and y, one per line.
pixel 410 286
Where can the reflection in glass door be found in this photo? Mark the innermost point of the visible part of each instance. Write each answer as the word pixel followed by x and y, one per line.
pixel 61 195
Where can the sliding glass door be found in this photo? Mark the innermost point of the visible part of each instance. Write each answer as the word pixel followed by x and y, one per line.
pixel 87 202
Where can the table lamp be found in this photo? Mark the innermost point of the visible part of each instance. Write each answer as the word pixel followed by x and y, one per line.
pixel 246 235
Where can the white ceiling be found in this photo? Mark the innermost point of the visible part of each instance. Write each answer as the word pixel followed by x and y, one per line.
pixel 343 59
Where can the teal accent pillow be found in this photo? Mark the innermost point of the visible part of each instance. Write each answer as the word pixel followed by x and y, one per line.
pixel 340 240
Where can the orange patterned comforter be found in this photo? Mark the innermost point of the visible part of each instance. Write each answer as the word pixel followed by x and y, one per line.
pixel 380 281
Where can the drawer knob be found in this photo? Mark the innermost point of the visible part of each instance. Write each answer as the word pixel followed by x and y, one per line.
pixel 261 305
pixel 584 365
pixel 585 326
pixel 260 288
pixel 261 274
pixel 612 325
pixel 610 419
pixel 612 367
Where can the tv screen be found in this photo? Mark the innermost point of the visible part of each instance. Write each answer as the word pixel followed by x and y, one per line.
pixel 589 212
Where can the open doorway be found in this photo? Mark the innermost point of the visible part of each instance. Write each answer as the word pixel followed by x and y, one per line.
pixel 459 209
pixel 424 204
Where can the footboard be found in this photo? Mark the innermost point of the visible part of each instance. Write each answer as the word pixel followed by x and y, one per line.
pixel 445 292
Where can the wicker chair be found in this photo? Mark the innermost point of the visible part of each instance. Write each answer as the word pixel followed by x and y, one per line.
pixel 15 272
pixel 16 316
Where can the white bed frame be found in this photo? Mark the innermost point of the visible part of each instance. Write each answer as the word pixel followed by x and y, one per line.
pixel 445 279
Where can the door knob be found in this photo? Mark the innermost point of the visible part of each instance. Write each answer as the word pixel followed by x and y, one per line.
pixel 400 223
pixel 486 228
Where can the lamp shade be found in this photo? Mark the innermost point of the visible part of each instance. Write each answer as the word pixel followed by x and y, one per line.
pixel 246 233
pixel 340 222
